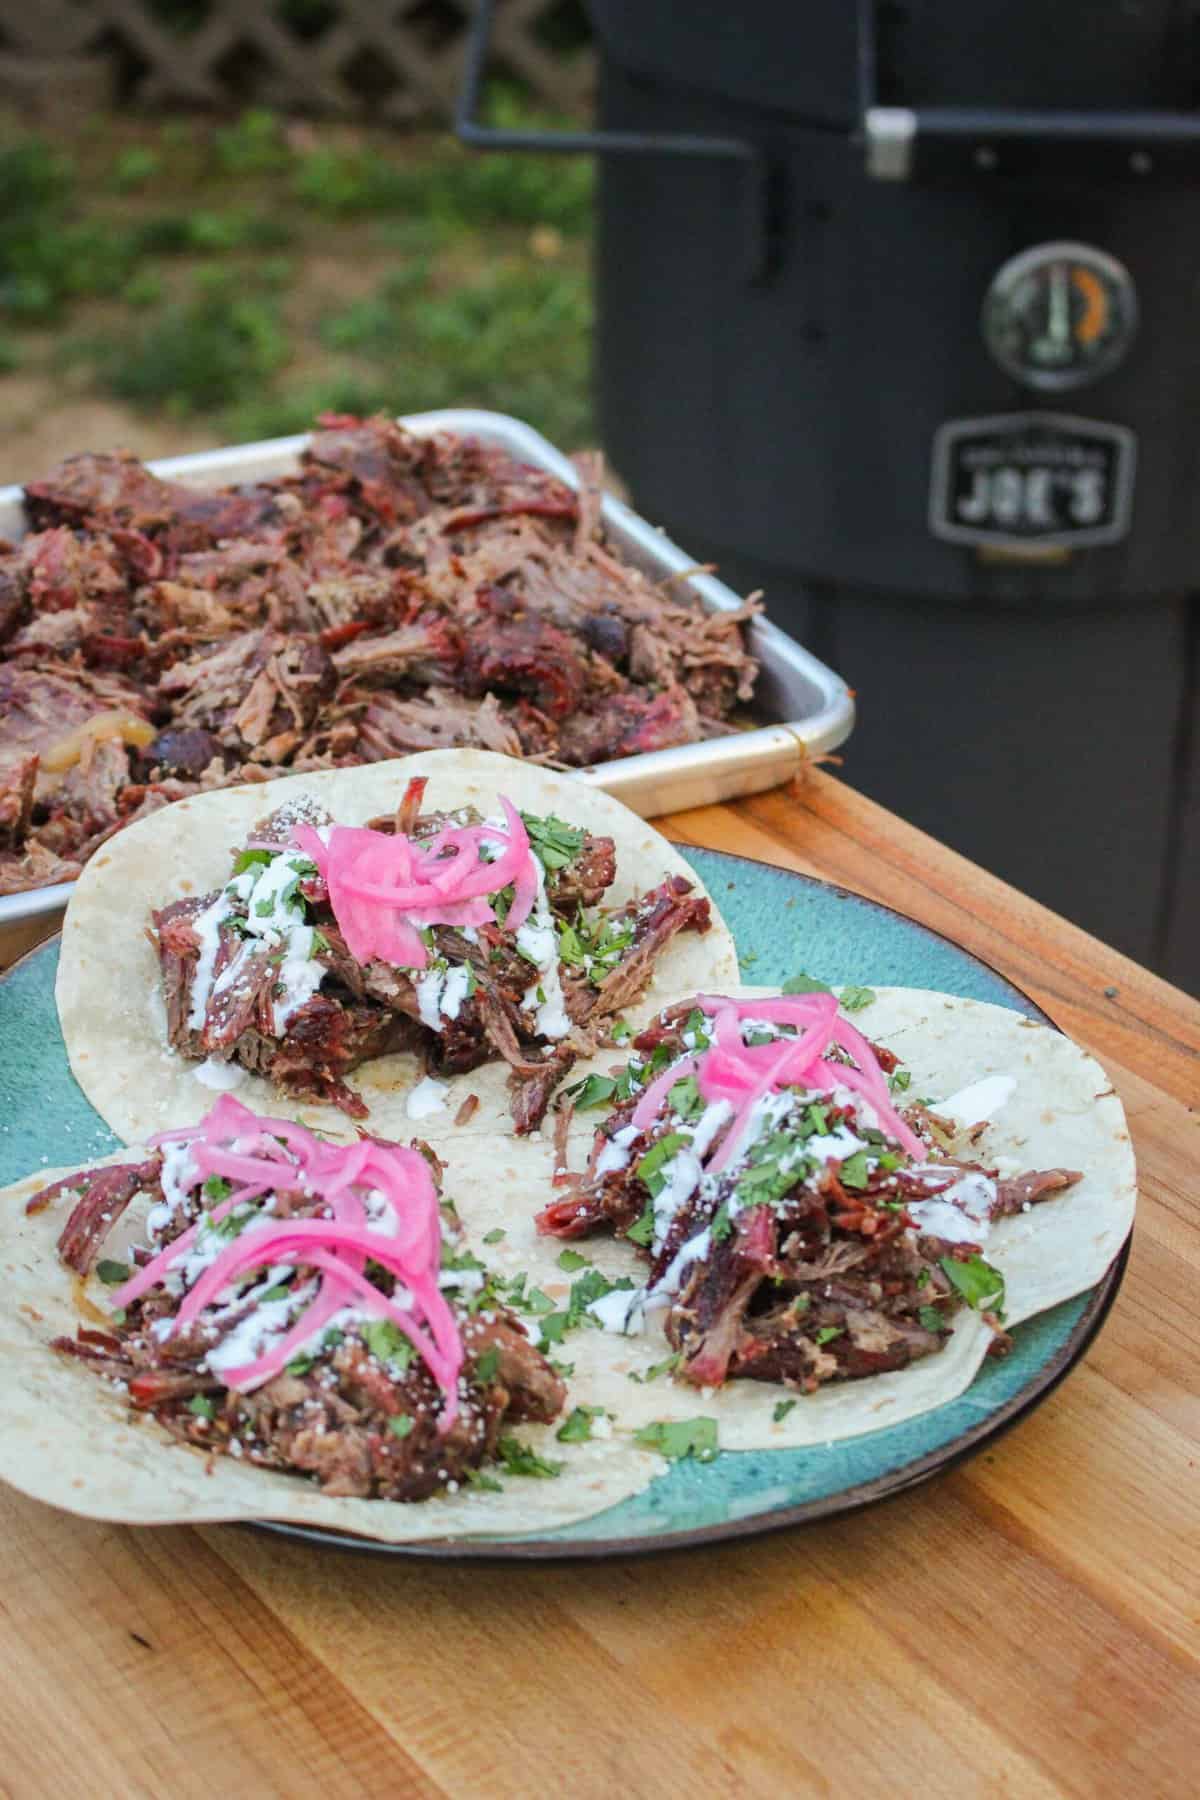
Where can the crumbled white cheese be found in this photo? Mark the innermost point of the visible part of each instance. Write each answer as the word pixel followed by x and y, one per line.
pixel 218 1075
pixel 429 1096
pixel 538 941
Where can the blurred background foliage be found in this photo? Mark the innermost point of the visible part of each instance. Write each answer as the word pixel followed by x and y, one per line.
pixel 194 281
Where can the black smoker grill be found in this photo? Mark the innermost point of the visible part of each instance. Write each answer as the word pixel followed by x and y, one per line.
pixel 899 319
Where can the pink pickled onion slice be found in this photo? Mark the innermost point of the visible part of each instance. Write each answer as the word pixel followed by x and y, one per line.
pixel 273 1156
pixel 743 1074
pixel 384 888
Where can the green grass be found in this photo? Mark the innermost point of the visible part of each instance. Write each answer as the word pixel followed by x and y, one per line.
pixel 252 275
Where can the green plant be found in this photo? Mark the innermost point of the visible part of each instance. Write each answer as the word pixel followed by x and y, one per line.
pixel 198 355
pixel 515 337
pixel 145 288
pixel 134 167
pixel 345 182
pixel 252 145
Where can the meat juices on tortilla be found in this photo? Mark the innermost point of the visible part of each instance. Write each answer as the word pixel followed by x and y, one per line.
pixel 109 990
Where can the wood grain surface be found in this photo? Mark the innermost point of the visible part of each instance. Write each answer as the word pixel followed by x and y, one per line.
pixel 1028 1625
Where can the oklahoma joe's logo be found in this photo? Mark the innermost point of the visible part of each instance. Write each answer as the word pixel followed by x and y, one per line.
pixel 1031 479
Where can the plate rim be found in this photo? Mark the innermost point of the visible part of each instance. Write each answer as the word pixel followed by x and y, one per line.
pixel 876 1489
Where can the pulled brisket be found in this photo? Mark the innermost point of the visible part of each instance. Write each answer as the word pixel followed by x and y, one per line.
pixel 331 1414
pixel 397 594
pixel 366 1010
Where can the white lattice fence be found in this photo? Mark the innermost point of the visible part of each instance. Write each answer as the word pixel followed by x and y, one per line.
pixel 400 61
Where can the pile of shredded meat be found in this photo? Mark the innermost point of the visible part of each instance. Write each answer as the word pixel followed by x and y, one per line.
pixel 234 1004
pixel 791 1264
pixel 398 594
pixel 356 1415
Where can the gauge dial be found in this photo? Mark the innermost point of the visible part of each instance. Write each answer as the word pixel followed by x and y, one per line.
pixel 1060 315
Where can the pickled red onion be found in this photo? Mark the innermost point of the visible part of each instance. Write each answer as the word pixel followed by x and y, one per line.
pixel 743 1074
pixel 385 887
pixel 272 1156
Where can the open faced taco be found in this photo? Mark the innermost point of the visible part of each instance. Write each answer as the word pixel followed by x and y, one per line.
pixel 247 1320
pixel 824 1223
pixel 409 921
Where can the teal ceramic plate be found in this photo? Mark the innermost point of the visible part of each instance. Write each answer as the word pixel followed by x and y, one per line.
pixel 782 923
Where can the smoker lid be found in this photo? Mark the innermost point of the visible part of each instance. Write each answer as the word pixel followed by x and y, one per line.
pixel 797 58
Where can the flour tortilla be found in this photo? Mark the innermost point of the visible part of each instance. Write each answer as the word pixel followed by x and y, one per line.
pixel 69 1439
pixel 1063 1114
pixel 66 1438
pixel 108 992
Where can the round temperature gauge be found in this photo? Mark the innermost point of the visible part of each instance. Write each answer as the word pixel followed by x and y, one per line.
pixel 1060 315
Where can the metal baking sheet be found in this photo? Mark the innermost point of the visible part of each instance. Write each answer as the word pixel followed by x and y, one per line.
pixel 807 708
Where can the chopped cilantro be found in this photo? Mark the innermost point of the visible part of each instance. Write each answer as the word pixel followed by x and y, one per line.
pixel 593 1090
pixel 605 947
pixel 570 1260
pixel 333 1337
pixel 593 1285
pixel 487 1484
pixel 827 1333
pixel 619 1031
pixel 216 1189
pixel 523 1459
pixel 554 842
pixel 931 1317
pixel 564 1370
pixel 300 1365
pixel 853 999
pixel 816 1121
pixel 685 1099
pixel 500 905
pixel 112 1274
pixel 854 1172
pixel 805 984
pixel 487 1367
pixel 980 1285
pixel 649 1169
pixel 722 1224
pixel 570 948
pixel 898 1080
pixel 248 859
pixel 400 1425
pixel 577 1428
pixel 387 1343
pixel 537 1303
pixel 203 1406
pixel 495 1235
pixel 668 1365
pixel 781 1411
pixel 319 940
pixel 696 1026
pixel 553 1326
pixel 677 1438
pixel 461 1259
pixel 642 1230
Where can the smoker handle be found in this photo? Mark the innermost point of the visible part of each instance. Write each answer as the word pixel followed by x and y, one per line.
pixel 958 139
pixel 759 209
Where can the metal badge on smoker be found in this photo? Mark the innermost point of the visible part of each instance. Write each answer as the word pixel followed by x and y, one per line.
pixel 1060 315
pixel 1026 480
